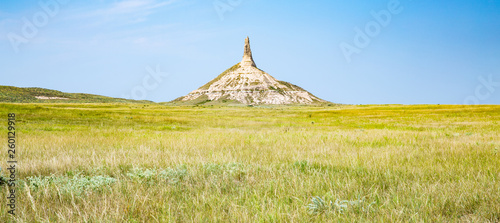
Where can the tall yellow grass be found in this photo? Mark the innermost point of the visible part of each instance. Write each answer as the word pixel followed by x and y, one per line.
pixel 424 163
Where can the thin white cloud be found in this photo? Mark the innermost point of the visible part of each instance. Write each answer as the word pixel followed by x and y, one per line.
pixel 127 11
pixel 133 6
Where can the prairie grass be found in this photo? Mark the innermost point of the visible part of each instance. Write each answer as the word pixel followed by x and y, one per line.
pixel 153 163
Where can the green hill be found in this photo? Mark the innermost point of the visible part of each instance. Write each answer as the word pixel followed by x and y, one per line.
pixel 41 95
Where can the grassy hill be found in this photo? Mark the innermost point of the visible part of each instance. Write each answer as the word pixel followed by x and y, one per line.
pixel 29 95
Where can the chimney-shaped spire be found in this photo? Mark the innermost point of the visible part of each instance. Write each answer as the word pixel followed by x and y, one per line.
pixel 247 56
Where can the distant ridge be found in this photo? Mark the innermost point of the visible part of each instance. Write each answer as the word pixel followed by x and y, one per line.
pixel 246 84
pixel 42 95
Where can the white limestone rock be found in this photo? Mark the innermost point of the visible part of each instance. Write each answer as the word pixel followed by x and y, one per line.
pixel 247 84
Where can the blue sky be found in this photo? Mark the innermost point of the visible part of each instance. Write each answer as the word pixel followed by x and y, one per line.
pixel 428 52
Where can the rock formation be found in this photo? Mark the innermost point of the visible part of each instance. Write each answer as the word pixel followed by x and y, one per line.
pixel 247 60
pixel 247 84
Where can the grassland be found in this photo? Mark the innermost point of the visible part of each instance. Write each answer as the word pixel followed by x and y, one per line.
pixel 153 163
